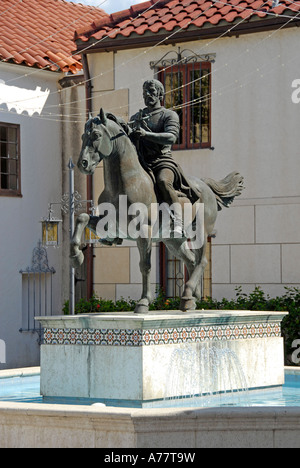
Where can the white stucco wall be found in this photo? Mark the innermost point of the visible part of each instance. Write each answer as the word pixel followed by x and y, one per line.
pixel 20 228
pixel 255 131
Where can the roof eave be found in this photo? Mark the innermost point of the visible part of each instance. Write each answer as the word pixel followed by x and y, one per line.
pixel 135 41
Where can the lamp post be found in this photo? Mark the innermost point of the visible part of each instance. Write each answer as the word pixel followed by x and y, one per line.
pixel 70 203
pixel 71 229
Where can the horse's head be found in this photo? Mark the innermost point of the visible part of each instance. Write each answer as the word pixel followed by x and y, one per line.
pixel 96 144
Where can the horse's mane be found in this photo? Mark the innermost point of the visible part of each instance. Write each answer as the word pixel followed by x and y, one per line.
pixel 118 120
pixel 128 132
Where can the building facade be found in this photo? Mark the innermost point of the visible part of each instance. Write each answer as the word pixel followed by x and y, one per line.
pixel 229 71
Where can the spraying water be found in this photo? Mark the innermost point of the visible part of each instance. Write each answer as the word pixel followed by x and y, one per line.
pixel 203 374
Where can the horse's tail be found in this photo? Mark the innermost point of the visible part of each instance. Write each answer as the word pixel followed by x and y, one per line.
pixel 227 189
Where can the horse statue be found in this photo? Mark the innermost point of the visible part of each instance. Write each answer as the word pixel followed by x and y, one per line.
pixel 104 139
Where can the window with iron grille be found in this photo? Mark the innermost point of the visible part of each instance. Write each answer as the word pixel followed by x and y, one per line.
pixel 10 183
pixel 188 90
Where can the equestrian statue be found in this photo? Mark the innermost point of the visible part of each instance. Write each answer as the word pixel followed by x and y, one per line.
pixel 140 169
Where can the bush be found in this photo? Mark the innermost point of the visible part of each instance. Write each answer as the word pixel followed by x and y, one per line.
pixel 257 300
pixel 96 305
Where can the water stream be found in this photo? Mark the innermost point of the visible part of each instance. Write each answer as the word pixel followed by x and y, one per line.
pixel 209 375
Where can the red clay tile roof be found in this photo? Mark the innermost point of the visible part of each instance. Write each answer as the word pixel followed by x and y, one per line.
pixel 39 33
pixel 165 16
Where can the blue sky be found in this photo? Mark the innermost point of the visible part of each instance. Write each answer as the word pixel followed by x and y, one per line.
pixel 110 6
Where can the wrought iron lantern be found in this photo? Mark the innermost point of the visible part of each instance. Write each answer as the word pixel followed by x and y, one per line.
pixel 50 230
pixel 90 237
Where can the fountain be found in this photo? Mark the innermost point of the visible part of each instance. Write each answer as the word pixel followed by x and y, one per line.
pixel 121 367
pixel 128 359
pixel 132 362
pixel 135 363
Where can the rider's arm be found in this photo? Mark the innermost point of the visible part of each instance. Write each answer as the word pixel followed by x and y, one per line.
pixel 163 139
pixel 170 133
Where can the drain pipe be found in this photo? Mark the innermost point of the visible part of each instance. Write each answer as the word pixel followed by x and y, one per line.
pixel 89 108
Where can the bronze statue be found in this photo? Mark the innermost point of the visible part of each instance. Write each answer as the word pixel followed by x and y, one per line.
pixel 133 158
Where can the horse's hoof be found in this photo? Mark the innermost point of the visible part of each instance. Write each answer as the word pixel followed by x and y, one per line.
pixel 77 260
pixel 142 307
pixel 187 303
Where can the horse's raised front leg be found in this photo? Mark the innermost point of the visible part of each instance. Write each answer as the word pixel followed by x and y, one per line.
pixel 145 248
pixel 76 255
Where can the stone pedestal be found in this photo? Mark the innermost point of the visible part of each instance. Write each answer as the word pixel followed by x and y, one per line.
pixel 130 359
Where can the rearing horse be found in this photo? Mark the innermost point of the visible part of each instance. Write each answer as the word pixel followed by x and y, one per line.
pixel 105 140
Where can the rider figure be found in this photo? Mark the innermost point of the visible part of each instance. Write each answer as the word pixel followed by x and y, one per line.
pixel 155 130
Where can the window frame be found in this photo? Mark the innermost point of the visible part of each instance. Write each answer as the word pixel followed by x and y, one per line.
pixel 186 69
pixel 13 192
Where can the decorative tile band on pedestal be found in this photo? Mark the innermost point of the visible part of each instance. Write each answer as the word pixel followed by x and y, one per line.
pixel 117 337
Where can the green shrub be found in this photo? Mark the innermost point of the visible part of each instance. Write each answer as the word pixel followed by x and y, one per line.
pixel 257 300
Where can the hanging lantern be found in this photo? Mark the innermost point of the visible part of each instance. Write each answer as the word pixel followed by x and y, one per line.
pixel 50 236
pixel 90 237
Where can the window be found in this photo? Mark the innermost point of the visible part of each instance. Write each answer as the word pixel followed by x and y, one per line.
pixel 188 89
pixel 10 184
pixel 174 275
